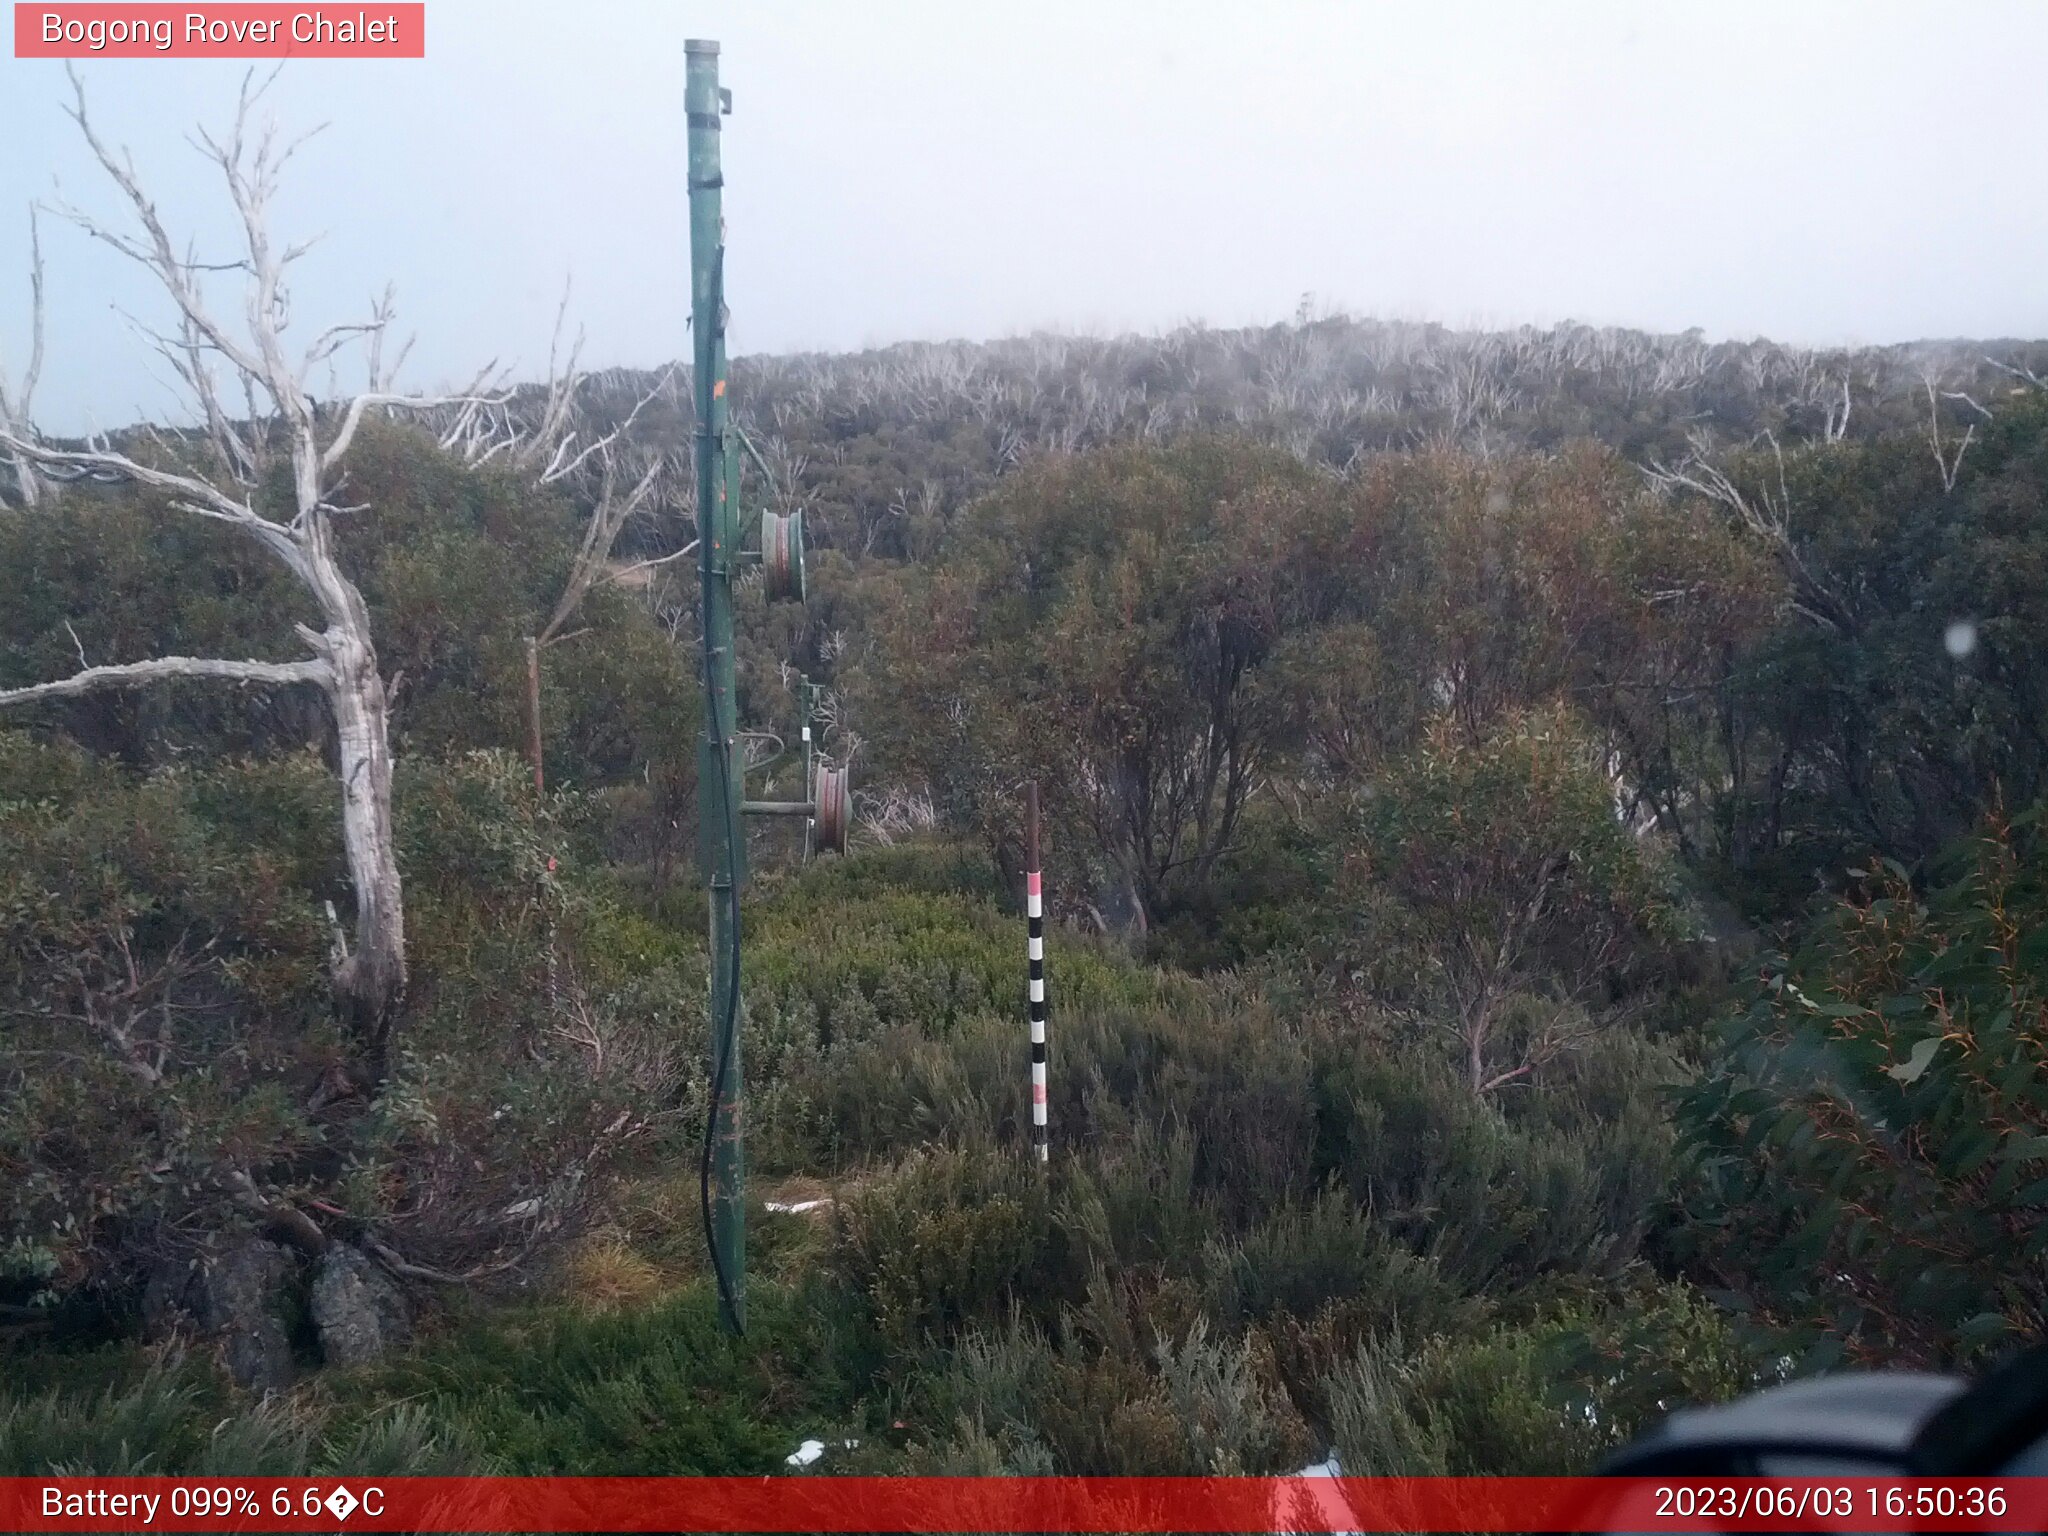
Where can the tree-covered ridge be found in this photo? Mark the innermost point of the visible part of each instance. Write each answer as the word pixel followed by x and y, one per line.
pixel 887 444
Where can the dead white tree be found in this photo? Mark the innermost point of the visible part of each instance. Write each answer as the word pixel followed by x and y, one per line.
pixel 897 810
pixel 223 480
pixel 17 404
pixel 548 433
pixel 2025 374
pixel 593 569
pixel 1835 423
pixel 1765 513
pixel 1950 464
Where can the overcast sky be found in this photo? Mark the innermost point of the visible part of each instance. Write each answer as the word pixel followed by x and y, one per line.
pixel 1816 172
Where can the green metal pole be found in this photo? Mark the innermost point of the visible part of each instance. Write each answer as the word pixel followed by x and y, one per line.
pixel 720 844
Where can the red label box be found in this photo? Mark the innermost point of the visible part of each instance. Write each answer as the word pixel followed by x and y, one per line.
pixel 374 30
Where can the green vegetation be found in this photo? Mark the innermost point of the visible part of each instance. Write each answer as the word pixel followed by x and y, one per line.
pixel 1878 1114
pixel 1531 943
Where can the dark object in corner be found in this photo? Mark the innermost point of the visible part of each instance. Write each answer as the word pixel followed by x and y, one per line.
pixel 1879 1422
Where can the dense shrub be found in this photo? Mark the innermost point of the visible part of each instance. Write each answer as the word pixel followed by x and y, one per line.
pixel 1499 892
pixel 1543 1398
pixel 950 1237
pixel 1869 1144
pixel 162 995
pixel 167 1035
pixel 651 1391
pixel 1496 1199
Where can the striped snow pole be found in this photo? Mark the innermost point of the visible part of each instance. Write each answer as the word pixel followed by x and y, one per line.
pixel 1034 912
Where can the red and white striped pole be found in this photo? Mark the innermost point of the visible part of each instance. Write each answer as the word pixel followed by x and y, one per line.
pixel 1034 913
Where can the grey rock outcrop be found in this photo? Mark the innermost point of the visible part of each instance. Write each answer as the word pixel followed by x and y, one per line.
pixel 240 1296
pixel 359 1310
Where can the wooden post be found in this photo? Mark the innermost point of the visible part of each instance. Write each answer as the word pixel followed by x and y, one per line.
pixel 533 712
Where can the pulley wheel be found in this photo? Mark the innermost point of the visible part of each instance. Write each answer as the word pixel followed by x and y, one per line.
pixel 782 555
pixel 834 805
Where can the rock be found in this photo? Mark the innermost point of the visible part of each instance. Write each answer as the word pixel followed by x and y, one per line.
pixel 359 1310
pixel 167 1300
pixel 238 1295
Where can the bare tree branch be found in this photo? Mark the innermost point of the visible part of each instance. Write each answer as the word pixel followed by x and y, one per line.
pixel 552 435
pixel 611 514
pixel 1970 400
pixel 194 495
pixel 241 454
pixel 1837 424
pixel 590 570
pixel 1950 465
pixel 16 409
pixel 1764 514
pixel 2026 374
pixel 356 407
pixel 134 674
pixel 622 572
pixel 159 255
pixel 559 470
pixel 29 379
pixel 382 313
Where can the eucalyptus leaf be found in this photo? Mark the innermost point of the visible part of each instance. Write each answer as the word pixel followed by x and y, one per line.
pixel 1916 1063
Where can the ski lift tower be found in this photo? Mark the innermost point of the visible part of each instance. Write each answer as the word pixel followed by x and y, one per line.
pixel 721 762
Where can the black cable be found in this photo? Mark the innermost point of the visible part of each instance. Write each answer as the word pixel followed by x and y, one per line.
pixel 726 1034
pixel 722 1048
pixel 722 1040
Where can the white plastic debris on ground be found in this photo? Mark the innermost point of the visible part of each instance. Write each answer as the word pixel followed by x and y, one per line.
pixel 1316 1509
pixel 811 1450
pixel 798 1207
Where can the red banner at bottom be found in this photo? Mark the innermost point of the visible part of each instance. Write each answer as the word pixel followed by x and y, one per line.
pixel 1022 1504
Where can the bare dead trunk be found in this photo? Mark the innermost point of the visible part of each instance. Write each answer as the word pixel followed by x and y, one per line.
pixel 25 482
pixel 1475 1012
pixel 16 408
pixel 370 983
pixel 1139 918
